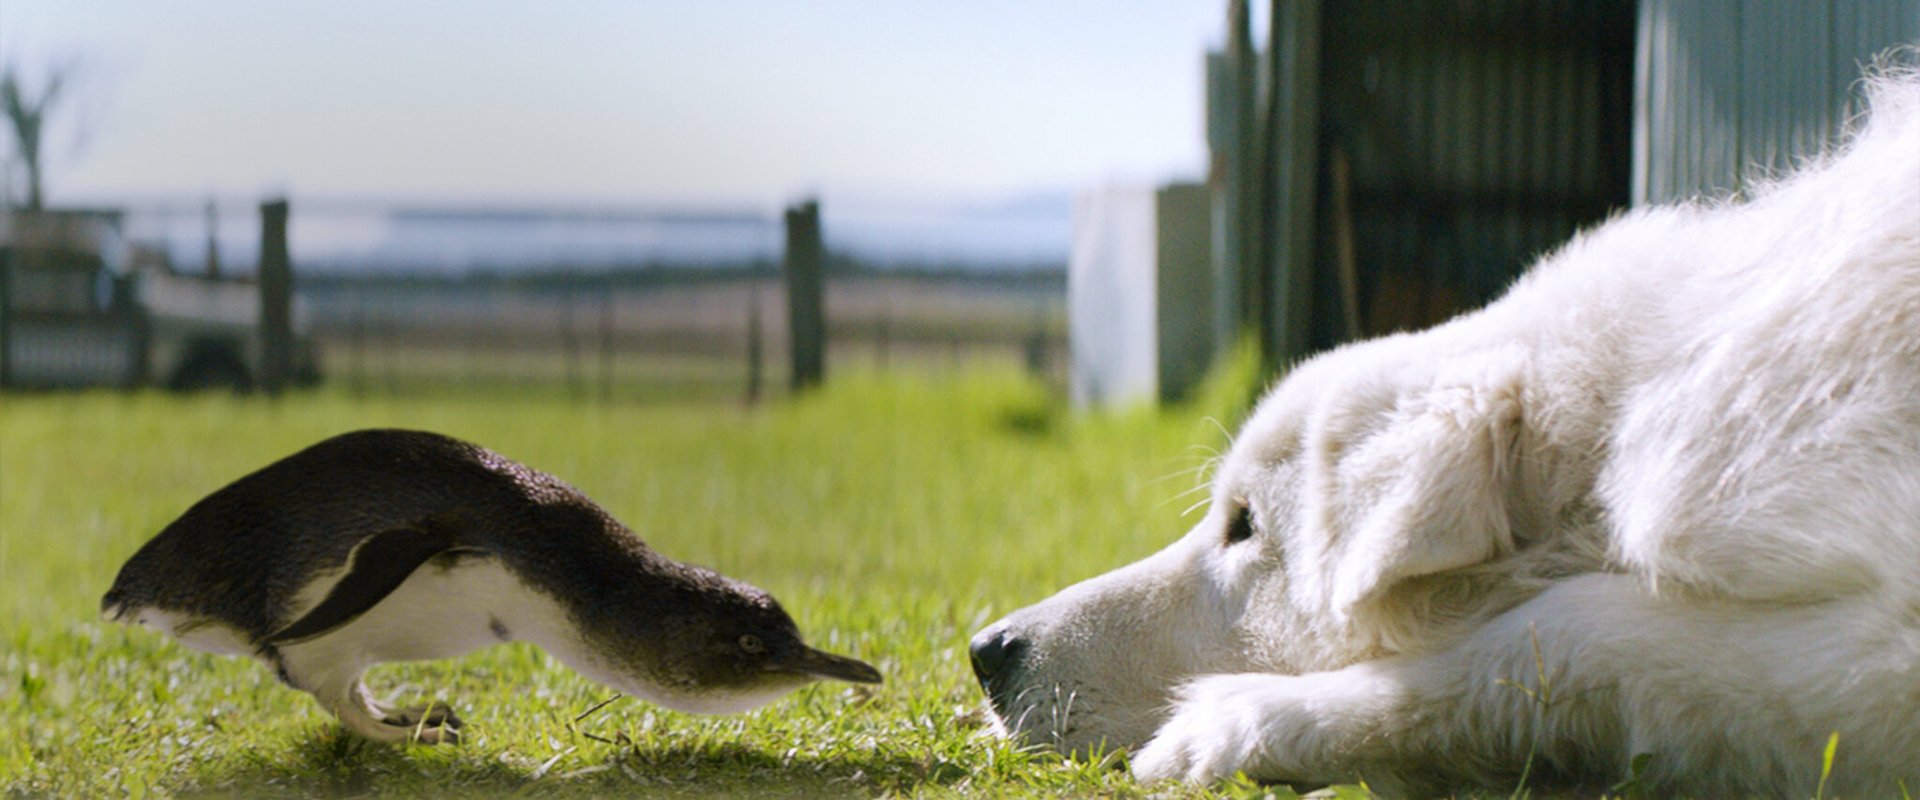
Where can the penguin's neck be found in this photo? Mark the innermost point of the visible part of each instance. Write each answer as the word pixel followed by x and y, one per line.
pixel 591 579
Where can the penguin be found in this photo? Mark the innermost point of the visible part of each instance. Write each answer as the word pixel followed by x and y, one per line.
pixel 399 545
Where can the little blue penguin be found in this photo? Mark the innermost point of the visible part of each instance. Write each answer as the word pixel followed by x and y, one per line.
pixel 394 545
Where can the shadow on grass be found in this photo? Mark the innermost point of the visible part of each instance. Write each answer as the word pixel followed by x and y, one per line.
pixel 334 763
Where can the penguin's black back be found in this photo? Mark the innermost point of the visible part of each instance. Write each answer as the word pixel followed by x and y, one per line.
pixel 243 553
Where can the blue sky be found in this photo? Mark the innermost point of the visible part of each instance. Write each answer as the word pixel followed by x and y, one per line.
pixel 702 101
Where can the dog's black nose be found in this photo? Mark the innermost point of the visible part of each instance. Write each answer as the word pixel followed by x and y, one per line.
pixel 991 649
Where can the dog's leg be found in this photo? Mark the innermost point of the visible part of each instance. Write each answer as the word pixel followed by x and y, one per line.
pixel 1325 727
pixel 1406 725
pixel 1574 683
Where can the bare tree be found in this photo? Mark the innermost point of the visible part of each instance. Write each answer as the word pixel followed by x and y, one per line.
pixel 26 116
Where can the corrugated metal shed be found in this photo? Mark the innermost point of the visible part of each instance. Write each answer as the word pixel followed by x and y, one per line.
pixel 1456 142
pixel 1725 86
pixel 1406 160
pixel 1414 157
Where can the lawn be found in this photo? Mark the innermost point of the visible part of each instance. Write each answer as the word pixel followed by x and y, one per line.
pixel 893 516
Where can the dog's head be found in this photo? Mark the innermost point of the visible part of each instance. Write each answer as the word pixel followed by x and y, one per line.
pixel 1343 519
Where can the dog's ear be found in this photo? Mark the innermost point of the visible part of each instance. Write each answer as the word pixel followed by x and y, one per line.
pixel 1427 491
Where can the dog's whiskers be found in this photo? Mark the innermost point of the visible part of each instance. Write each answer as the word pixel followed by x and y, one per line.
pixel 1204 501
pixel 1019 726
pixel 1210 450
pixel 1203 484
pixel 1223 430
pixel 1185 493
pixel 1184 471
pixel 1063 713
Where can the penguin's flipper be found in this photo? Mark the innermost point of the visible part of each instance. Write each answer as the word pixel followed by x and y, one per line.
pixel 376 567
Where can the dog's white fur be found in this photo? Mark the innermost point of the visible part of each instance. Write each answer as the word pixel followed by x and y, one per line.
pixel 1663 497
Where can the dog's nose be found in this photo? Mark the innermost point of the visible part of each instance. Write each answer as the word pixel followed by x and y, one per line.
pixel 991 649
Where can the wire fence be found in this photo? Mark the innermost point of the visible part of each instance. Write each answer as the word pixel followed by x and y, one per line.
pixel 680 336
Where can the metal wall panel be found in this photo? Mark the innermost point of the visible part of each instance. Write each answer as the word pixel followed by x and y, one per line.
pixel 1785 113
pixel 1184 297
pixel 1861 31
pixel 1475 135
pixel 1111 298
pixel 1140 294
pixel 1730 90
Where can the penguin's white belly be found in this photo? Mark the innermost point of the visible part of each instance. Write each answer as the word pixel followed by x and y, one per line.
pixel 446 611
pixel 440 611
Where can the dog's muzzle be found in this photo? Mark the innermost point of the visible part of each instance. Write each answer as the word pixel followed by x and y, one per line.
pixel 997 655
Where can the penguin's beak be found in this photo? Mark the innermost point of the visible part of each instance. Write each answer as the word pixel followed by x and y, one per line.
pixel 805 660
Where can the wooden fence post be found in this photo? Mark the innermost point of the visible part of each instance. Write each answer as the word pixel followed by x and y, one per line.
pixel 213 240
pixel 883 330
pixel 570 348
pixel 754 333
pixel 806 314
pixel 6 319
pixel 357 370
pixel 276 298
pixel 606 341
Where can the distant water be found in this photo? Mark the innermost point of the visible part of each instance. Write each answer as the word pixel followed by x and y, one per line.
pixel 339 239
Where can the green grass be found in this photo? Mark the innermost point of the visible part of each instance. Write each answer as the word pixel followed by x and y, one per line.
pixel 892 516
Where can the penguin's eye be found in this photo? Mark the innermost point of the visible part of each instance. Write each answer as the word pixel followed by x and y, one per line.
pixel 1240 527
pixel 752 644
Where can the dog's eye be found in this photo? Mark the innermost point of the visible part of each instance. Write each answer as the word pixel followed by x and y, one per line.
pixel 1240 528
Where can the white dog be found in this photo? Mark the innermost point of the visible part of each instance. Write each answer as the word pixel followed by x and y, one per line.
pixel 1662 498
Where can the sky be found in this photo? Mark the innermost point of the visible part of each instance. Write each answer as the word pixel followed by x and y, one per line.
pixel 633 102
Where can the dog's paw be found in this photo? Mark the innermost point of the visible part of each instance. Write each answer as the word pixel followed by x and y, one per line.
pixel 1220 725
pixel 1324 727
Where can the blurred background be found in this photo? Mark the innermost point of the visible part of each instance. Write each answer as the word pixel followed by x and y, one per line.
pixel 808 292
pixel 654 201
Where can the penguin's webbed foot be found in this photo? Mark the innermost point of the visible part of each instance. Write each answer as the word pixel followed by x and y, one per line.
pixel 432 715
pixel 434 723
